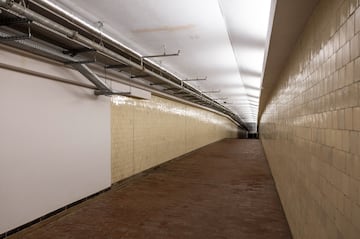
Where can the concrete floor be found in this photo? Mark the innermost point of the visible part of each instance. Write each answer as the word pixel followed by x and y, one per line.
pixel 224 190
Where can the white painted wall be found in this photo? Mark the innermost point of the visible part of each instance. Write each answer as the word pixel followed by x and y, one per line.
pixel 54 142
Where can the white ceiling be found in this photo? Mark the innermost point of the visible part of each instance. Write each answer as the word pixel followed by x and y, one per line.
pixel 290 17
pixel 223 40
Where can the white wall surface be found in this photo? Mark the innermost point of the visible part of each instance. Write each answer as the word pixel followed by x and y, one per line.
pixel 54 141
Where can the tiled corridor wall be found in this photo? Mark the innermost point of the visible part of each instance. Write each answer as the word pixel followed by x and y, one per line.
pixel 146 133
pixel 311 126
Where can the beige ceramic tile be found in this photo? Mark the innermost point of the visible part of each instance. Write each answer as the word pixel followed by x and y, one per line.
pixel 148 133
pixel 316 105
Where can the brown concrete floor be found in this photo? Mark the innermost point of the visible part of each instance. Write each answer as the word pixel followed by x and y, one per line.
pixel 224 190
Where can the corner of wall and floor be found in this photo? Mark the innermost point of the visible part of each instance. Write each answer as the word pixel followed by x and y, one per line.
pixel 148 133
pixel 310 129
pixel 60 143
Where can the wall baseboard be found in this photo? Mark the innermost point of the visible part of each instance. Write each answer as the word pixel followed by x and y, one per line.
pixel 51 214
pixel 117 185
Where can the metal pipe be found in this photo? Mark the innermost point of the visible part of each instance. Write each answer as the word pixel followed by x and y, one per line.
pixel 163 55
pixel 47 51
pixel 9 4
pixel 211 91
pixel 45 76
pixel 117 66
pixel 139 76
pixel 85 71
pixel 77 21
pixel 51 54
pixel 75 35
pixel 31 15
pixel 142 86
pixel 195 79
pixel 91 29
pixel 41 49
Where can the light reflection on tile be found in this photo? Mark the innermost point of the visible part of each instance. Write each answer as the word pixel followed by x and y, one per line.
pixel 310 127
pixel 146 133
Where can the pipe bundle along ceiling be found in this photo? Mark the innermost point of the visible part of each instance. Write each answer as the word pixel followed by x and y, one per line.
pixel 210 53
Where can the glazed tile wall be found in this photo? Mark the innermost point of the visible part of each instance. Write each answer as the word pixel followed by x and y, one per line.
pixel 146 133
pixel 311 126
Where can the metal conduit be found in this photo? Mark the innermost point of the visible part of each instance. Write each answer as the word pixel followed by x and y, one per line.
pixel 52 53
pixel 85 71
pixel 31 15
pixel 112 41
pixel 42 50
pixel 49 51
pixel 73 20
pixel 10 4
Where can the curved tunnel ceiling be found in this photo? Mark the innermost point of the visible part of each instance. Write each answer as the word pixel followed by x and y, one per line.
pixel 222 40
